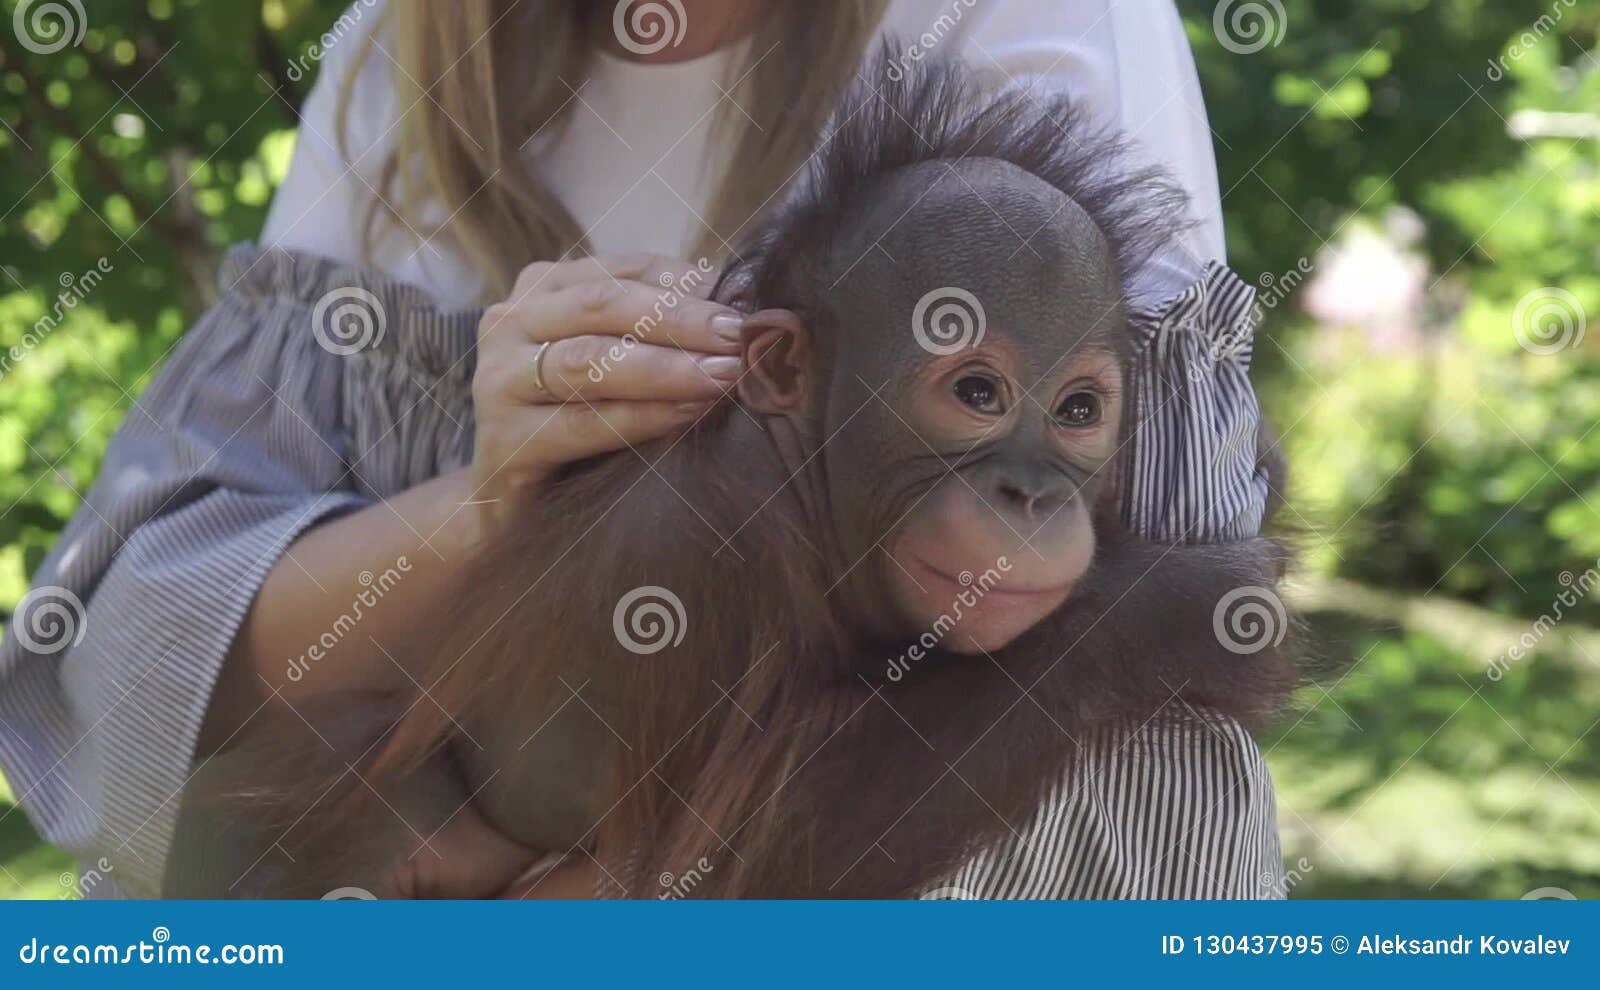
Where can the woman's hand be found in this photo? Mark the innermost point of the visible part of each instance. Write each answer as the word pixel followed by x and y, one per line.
pixel 631 351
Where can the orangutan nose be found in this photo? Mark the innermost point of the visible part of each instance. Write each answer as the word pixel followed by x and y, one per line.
pixel 1033 495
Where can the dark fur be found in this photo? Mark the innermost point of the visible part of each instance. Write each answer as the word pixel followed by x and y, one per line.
pixel 765 743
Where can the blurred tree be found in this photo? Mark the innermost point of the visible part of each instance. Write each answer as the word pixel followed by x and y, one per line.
pixel 1462 459
pixel 1323 109
pixel 1452 469
pixel 140 139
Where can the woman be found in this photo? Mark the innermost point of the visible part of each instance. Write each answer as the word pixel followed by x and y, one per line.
pixel 545 146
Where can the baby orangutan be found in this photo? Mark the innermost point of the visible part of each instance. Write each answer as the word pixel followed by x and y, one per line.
pixel 937 387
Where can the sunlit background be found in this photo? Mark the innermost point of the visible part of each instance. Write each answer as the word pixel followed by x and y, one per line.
pixel 1411 185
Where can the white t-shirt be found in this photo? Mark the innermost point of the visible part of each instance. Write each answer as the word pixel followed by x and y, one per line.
pixel 635 164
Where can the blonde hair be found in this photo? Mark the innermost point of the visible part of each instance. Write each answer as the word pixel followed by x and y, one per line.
pixel 481 76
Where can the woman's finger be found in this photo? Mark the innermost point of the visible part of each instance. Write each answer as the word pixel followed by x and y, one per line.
pixel 637 266
pixel 634 311
pixel 597 368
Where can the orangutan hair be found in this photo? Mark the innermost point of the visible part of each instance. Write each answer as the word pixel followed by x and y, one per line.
pixel 764 737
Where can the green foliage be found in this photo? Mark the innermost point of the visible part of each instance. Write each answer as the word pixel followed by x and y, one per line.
pixel 1459 469
pixel 131 160
pixel 1449 463
pixel 1421 775
pixel 1361 106
pixel 28 868
pixel 137 155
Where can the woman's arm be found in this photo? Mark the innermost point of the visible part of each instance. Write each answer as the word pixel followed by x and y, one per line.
pixel 315 626
pixel 230 454
pixel 282 655
pixel 1181 808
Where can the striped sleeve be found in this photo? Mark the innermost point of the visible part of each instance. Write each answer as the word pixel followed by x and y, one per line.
pixel 1194 475
pixel 1181 809
pixel 108 663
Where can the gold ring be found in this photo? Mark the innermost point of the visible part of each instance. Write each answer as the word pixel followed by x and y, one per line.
pixel 539 387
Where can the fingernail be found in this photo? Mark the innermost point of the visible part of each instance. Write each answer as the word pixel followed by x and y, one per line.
pixel 727 326
pixel 722 368
pixel 693 408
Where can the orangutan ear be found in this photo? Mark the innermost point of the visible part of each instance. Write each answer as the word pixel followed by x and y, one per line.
pixel 777 360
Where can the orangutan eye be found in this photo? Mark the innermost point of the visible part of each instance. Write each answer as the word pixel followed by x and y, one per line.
pixel 1079 409
pixel 979 393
